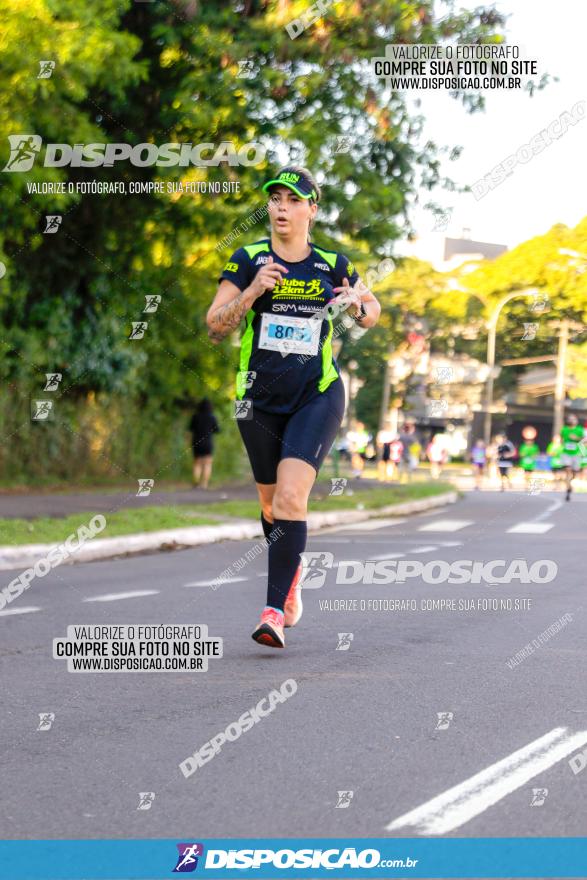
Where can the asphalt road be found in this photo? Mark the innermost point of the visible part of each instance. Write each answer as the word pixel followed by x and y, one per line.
pixel 363 720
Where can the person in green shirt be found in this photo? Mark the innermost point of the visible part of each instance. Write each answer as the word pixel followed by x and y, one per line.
pixel 572 435
pixel 554 451
pixel 528 452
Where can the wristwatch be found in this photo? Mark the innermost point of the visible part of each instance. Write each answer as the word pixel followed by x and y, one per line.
pixel 362 314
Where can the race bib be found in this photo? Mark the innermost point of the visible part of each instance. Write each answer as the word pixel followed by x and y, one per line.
pixel 289 335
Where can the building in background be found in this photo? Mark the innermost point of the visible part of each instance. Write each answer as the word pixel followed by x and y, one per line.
pixel 465 250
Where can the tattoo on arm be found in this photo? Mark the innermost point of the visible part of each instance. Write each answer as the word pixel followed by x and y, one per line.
pixel 226 318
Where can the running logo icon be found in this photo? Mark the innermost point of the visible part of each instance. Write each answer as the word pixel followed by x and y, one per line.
pixel 145 487
pixel 243 409
pixel 138 329
pixel 344 142
pixel 444 719
pixel 53 380
pixel 540 303
pixel 314 567
pixel 146 799
pixel 23 151
pixel 46 719
pixel 442 220
pixel 344 799
pixel 246 69
pixel 152 302
pixel 444 375
pixel 338 485
pixel 529 332
pixel 539 795
pixel 46 68
pixel 536 485
pixel 41 410
pixel 437 407
pixel 52 223
pixel 187 860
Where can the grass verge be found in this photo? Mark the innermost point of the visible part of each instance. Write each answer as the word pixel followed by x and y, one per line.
pixel 368 499
pixel 46 530
pixel 150 519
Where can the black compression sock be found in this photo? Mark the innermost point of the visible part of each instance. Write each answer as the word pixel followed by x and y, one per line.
pixel 267 527
pixel 284 558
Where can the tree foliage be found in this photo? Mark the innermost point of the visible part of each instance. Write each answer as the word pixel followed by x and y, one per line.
pixel 194 72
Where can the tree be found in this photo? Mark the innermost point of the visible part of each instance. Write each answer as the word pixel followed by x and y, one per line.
pixel 184 72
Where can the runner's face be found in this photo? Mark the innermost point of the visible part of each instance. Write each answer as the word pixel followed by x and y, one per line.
pixel 288 213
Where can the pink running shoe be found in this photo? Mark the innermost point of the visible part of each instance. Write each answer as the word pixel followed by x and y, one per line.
pixel 293 603
pixel 270 629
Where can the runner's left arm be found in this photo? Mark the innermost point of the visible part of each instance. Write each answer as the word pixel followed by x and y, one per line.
pixel 357 293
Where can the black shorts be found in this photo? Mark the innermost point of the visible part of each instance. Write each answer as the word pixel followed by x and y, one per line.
pixel 307 434
pixel 201 449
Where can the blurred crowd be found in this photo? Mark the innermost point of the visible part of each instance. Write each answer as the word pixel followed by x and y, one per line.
pixel 398 454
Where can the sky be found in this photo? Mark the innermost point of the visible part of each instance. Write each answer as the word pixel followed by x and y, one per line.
pixel 550 188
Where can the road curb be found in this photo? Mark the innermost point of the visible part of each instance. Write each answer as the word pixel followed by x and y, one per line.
pixel 26 555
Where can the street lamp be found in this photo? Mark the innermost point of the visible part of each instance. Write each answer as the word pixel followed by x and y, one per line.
pixel 560 389
pixel 491 336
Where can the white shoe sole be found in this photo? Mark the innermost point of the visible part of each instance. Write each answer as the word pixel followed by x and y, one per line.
pixel 300 610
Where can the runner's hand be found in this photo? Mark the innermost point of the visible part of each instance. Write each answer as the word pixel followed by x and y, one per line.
pixel 267 277
pixel 366 294
pixel 349 297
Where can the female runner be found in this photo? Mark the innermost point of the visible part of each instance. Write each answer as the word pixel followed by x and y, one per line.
pixel 289 384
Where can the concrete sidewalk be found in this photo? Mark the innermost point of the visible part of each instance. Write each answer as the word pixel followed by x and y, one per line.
pixel 26 555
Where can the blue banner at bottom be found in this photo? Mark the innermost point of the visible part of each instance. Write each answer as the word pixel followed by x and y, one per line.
pixel 502 857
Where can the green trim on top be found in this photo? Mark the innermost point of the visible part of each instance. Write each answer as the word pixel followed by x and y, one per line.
pixel 254 249
pixel 329 374
pixel 245 354
pixel 329 256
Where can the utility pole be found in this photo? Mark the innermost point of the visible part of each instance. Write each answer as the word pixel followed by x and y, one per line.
pixel 383 412
pixel 490 376
pixel 491 335
pixel 560 391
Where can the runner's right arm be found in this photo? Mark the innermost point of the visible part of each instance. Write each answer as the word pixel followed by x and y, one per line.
pixel 232 302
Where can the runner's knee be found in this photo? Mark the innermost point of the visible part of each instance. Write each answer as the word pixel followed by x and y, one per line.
pixel 290 501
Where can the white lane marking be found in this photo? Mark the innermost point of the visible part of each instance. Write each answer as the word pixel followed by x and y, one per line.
pixel 463 802
pixel 446 525
pixel 427 549
pixel 215 580
pixel 388 540
pixel 113 597
pixel 387 556
pixel 25 610
pixel 556 505
pixel 370 525
pixel 530 528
